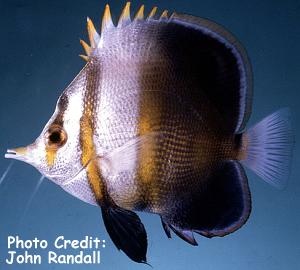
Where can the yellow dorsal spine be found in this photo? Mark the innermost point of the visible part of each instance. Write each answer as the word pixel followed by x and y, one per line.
pixel 125 16
pixel 84 57
pixel 107 23
pixel 93 35
pixel 140 13
pixel 86 47
pixel 106 20
pixel 164 15
pixel 152 13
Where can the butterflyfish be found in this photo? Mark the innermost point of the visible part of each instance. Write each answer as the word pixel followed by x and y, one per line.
pixel 156 122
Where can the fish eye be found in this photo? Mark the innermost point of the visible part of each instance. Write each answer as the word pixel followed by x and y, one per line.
pixel 56 136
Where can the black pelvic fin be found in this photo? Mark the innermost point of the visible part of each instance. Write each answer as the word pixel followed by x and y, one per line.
pixel 126 231
pixel 185 235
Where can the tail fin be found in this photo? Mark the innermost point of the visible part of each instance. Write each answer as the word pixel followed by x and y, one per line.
pixel 269 146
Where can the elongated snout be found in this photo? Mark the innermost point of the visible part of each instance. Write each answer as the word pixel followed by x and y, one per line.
pixel 17 153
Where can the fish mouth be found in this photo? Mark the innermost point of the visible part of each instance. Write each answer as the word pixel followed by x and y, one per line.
pixel 16 153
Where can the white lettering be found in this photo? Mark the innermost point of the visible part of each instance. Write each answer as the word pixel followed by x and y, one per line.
pixel 15 241
pixel 25 258
pixel 52 257
pixel 86 243
pixel 10 240
pixel 80 258
pixel 59 246
pixel 43 244
pixel 75 244
pixel 11 261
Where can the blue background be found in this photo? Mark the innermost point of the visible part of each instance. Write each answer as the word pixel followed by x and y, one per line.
pixel 39 47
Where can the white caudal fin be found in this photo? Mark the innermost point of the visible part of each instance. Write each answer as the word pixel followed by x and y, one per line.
pixel 269 146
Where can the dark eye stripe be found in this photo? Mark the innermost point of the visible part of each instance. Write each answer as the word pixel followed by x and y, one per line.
pixel 62 105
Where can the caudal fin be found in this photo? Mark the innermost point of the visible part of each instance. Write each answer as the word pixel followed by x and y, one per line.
pixel 269 146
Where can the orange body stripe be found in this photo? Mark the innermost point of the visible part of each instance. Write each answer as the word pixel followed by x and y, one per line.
pixel 89 157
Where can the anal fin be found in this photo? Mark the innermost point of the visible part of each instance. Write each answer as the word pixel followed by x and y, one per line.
pixel 126 231
pixel 166 228
pixel 185 235
pixel 217 206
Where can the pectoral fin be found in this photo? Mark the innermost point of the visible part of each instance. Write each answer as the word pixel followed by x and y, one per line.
pixel 126 231
pixel 124 158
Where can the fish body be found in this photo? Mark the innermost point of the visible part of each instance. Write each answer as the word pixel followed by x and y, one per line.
pixel 155 122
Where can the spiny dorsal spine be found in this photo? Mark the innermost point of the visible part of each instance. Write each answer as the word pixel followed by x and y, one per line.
pixel 93 34
pixel 140 13
pixel 107 23
pixel 86 47
pixel 125 16
pixel 164 15
pixel 152 13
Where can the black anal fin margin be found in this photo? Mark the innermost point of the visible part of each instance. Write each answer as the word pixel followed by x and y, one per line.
pixel 185 235
pixel 166 228
pixel 126 231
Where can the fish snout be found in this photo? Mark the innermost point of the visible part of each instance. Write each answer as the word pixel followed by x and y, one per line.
pixel 16 153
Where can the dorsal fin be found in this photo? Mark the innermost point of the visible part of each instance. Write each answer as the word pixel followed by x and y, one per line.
pixel 93 34
pixel 84 57
pixel 216 61
pixel 140 13
pixel 164 15
pixel 125 16
pixel 107 22
pixel 152 13
pixel 235 77
pixel 86 47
